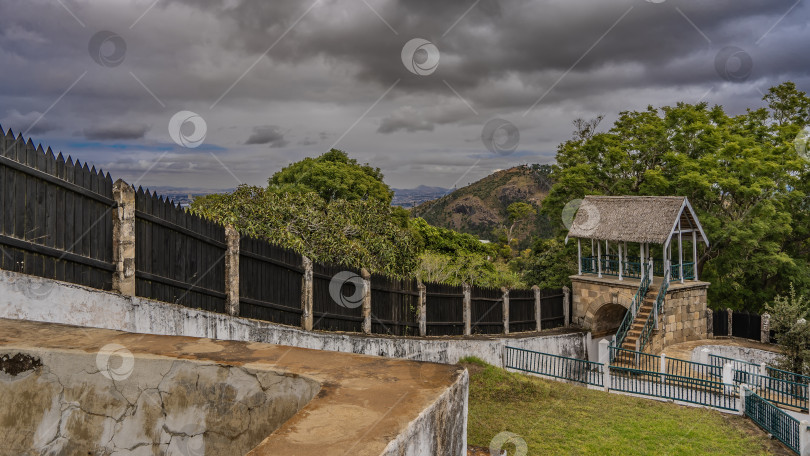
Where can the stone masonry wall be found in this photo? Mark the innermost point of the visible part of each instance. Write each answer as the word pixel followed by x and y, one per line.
pixel 684 317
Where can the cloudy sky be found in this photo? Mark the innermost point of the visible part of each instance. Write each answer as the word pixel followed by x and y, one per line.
pixel 410 86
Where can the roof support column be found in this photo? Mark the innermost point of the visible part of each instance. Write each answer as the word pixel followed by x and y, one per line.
pixel 694 255
pixel 599 258
pixel 620 260
pixel 680 250
pixel 641 260
pixel 579 256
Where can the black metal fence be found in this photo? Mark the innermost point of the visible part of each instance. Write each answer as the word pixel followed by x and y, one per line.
pixel 747 325
pixel 57 222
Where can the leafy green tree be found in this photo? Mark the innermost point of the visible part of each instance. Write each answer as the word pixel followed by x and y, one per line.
pixel 789 320
pixel 741 174
pixel 517 212
pixel 550 264
pixel 332 176
pixel 358 233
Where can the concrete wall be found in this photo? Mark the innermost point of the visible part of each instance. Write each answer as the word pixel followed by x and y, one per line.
pixel 60 402
pixel 752 355
pixel 32 298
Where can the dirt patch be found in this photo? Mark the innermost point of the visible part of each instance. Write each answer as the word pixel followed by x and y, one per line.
pixel 19 363
pixel 481 451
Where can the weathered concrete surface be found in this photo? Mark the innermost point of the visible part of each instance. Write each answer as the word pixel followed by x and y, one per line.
pixel 71 390
pixel 32 298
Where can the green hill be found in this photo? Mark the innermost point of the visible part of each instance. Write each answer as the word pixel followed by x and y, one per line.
pixel 480 207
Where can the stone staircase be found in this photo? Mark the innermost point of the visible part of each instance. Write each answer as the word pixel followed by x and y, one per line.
pixel 638 323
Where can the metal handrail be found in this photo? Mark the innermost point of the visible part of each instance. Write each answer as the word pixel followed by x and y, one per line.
pixel 635 304
pixel 646 332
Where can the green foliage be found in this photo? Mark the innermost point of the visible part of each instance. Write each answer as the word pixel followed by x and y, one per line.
pixel 789 320
pixel 358 233
pixel 333 176
pixel 551 263
pixel 741 174
pixel 445 241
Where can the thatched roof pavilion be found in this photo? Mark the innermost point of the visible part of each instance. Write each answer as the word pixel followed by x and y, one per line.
pixel 641 220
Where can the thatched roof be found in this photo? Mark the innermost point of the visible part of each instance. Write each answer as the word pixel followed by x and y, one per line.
pixel 650 219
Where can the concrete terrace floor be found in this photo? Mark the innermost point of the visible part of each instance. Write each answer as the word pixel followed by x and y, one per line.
pixel 364 402
pixel 684 350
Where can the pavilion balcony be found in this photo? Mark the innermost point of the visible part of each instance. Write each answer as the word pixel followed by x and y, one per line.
pixel 631 267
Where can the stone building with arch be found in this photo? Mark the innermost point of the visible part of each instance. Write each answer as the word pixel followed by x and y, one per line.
pixel 637 281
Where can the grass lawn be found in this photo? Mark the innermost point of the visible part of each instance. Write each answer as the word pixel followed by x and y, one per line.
pixel 556 418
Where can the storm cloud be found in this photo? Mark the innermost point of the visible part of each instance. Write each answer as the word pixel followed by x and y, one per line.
pixel 278 81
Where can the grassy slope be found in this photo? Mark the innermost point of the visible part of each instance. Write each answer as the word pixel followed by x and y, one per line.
pixel 557 418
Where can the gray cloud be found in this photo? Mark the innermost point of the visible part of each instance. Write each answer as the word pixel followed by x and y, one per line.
pixel 268 134
pixel 115 131
pixel 324 80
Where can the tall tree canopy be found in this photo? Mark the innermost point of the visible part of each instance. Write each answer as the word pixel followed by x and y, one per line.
pixel 741 173
pixel 332 176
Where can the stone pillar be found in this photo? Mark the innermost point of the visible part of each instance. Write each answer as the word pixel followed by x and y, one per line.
pixel 730 321
pixel 505 300
pixel 366 300
pixel 306 294
pixel 422 310
pixel 538 309
pixel 804 438
pixel 467 312
pixel 123 238
pixel 566 306
pixel 742 393
pixel 765 329
pixel 709 323
pixel 232 271
pixel 604 359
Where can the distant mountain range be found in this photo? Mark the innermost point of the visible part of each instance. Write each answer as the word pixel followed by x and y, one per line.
pixel 410 197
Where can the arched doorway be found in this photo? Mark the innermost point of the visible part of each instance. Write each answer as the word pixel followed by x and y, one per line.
pixel 607 320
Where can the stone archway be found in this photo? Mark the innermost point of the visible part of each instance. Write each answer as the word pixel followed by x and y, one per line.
pixel 607 319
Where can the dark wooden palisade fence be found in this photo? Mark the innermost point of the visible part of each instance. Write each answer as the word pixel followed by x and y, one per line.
pixel 56 215
pixel 58 222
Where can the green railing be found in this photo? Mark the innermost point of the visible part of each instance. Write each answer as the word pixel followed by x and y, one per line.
pixel 773 420
pixel 631 267
pixel 685 389
pixel 787 375
pixel 688 272
pixel 776 390
pixel 574 369
pixel 720 361
pixel 633 359
pixel 635 304
pixel 658 307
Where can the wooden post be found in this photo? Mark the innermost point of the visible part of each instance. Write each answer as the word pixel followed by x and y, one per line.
pixel 366 300
pixel 123 238
pixel 232 271
pixel 579 256
pixel 467 312
pixel 538 309
pixel 599 258
pixel 422 310
pixel 566 306
pixel 680 251
pixel 505 300
pixel 694 255
pixel 641 261
pixel 306 294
